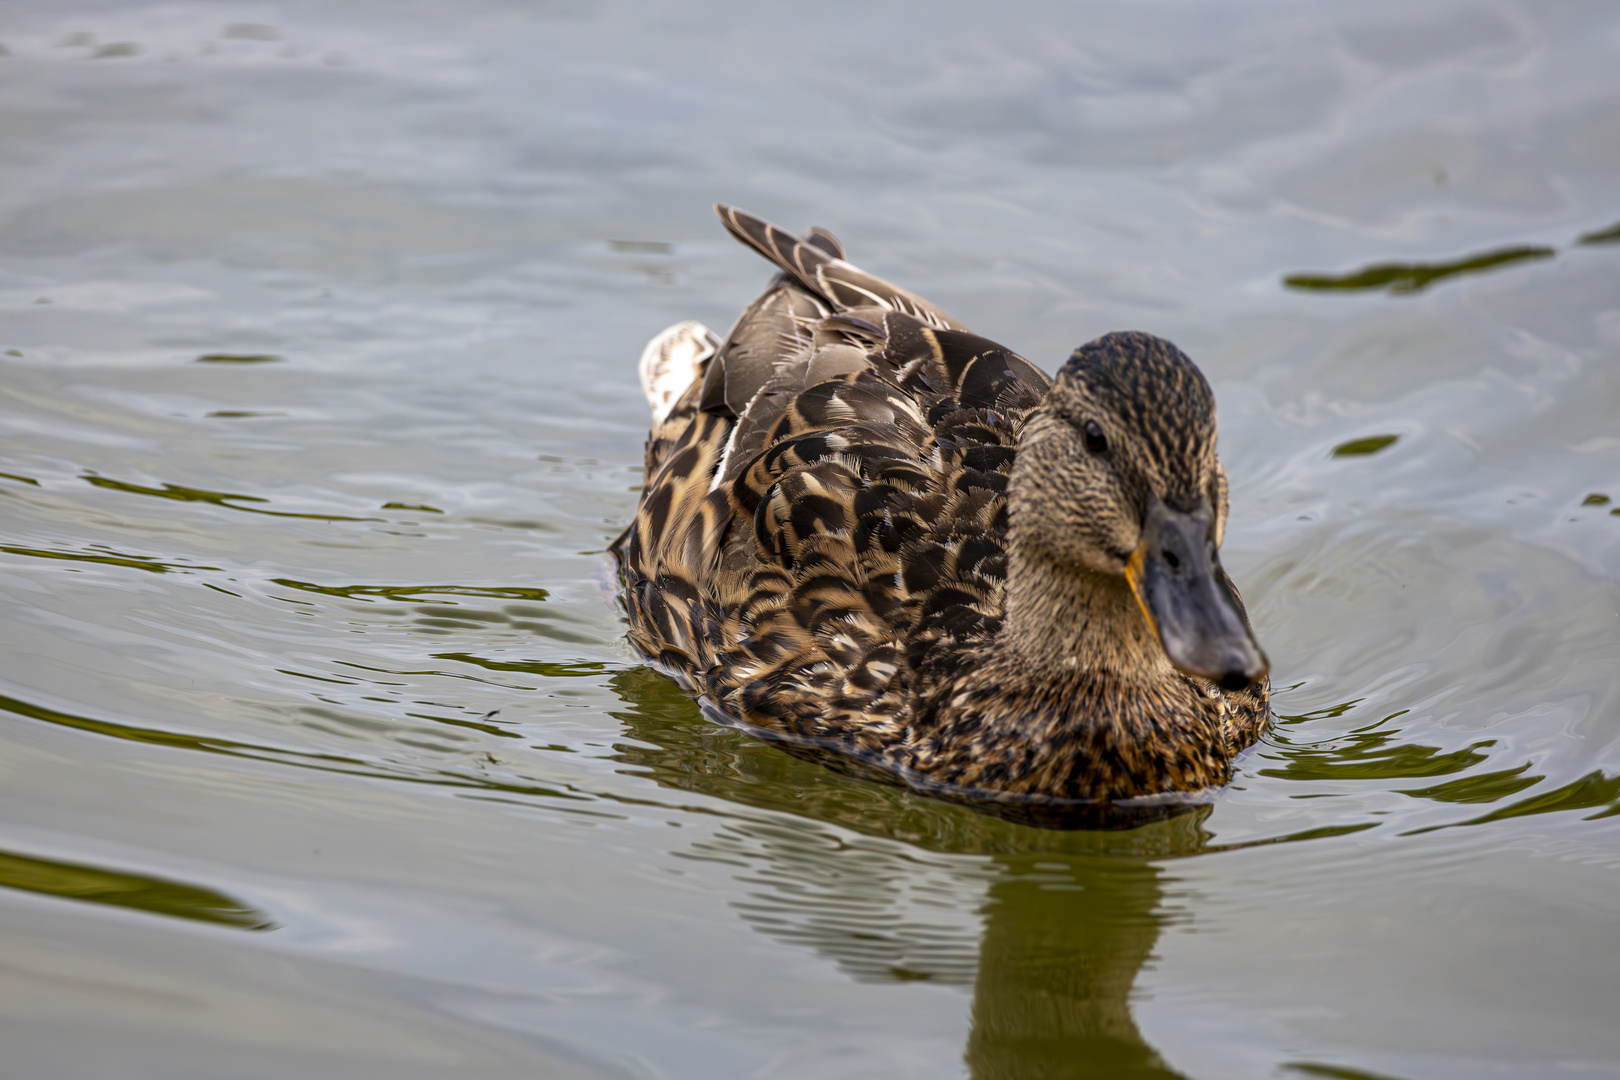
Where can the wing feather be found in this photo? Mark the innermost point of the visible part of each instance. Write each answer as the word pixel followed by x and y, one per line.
pixel 830 523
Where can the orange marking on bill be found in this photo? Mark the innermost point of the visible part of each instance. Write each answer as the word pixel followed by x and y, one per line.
pixel 1133 574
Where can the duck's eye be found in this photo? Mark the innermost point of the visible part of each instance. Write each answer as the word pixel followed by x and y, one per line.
pixel 1094 438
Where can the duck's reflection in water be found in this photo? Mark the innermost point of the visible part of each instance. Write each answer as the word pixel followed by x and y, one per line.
pixel 1049 929
pixel 1056 966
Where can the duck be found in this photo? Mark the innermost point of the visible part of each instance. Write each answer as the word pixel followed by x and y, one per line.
pixel 898 548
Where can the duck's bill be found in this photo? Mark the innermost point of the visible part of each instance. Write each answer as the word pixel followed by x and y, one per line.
pixel 1187 599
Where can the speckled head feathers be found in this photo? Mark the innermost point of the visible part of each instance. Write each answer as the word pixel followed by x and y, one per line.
pixel 1162 405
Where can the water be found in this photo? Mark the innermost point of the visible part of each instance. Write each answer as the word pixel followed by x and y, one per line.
pixel 320 751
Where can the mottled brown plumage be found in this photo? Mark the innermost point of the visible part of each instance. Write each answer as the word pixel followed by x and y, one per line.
pixel 901 548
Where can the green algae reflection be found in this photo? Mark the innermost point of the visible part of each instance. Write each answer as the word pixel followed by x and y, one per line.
pixel 1405 278
pixel 323 761
pixel 1596 791
pixel 1375 753
pixel 117 888
pixel 1369 753
pixel 413 592
pixel 1369 444
pixel 225 499
pixel 1610 235
pixel 1335 1072
pixel 105 557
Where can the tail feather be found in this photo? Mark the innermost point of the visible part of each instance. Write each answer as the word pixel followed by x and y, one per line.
pixel 809 262
pixel 671 362
pixel 824 240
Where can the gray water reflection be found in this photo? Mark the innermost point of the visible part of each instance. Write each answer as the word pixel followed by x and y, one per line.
pixel 1051 967
pixel 1068 919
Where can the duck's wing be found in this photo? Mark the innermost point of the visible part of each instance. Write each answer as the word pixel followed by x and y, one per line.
pixel 853 519
pixel 773 329
pixel 874 517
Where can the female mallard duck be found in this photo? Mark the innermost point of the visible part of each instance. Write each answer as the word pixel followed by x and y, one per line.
pixel 898 547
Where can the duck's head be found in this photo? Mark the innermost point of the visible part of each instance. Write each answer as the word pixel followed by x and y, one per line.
pixel 1117 475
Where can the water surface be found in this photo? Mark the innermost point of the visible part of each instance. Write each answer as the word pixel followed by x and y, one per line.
pixel 321 753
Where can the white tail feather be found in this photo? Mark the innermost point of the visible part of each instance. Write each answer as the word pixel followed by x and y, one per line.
pixel 671 362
